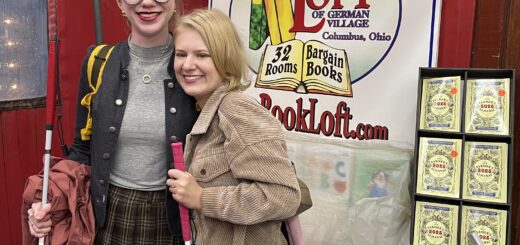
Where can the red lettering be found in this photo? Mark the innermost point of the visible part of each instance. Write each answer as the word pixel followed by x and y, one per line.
pixel 312 119
pixel 304 120
pixel 301 116
pixel 345 115
pixel 313 6
pixel 289 114
pixel 299 18
pixel 346 120
pixel 435 232
pixel 327 116
pixel 337 5
pixel 278 111
pixel 358 132
pixel 265 101
pixel 484 170
pixel 369 131
pixel 362 4
pixel 299 13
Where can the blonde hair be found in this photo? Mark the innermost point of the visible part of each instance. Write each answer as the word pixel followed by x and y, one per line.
pixel 224 45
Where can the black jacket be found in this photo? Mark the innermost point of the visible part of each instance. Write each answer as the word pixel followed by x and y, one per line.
pixel 107 114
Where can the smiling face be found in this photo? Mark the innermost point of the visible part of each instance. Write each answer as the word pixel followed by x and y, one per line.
pixel 194 66
pixel 148 21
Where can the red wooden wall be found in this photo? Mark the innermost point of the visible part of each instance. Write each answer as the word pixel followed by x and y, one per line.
pixel 22 131
pixel 22 146
pixel 456 33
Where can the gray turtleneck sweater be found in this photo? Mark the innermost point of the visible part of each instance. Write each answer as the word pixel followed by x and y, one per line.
pixel 140 152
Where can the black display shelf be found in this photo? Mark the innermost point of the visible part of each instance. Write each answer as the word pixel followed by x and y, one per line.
pixel 465 74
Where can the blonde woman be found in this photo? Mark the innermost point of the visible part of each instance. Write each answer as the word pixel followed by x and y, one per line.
pixel 239 183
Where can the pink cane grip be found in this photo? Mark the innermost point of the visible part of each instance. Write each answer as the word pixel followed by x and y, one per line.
pixel 294 230
pixel 178 156
pixel 178 163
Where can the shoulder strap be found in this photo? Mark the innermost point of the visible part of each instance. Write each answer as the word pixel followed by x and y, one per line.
pixel 95 66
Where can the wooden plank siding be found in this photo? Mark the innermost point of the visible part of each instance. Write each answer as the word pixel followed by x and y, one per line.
pixel 496 44
pixel 456 34
pixel 5 228
pixel 489 34
pixel 22 125
pixel 11 165
pixel 511 59
pixel 22 147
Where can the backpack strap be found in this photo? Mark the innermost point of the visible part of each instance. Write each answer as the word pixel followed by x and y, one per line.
pixel 95 66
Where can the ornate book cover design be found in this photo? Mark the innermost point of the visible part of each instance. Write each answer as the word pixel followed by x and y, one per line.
pixel 487 106
pixel 435 224
pixel 311 67
pixel 440 104
pixel 488 225
pixel 438 167
pixel 485 172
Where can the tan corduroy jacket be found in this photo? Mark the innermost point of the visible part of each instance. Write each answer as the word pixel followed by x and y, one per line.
pixel 237 153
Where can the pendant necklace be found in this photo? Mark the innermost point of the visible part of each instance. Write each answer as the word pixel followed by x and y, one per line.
pixel 147 78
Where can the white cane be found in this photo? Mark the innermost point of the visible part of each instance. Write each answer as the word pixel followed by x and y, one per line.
pixel 50 101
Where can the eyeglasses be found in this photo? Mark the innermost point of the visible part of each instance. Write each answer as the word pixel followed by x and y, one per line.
pixel 135 2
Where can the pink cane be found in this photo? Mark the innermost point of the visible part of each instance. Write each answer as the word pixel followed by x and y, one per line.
pixel 178 163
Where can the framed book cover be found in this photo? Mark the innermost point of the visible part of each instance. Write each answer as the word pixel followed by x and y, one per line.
pixel 487 225
pixel 441 104
pixel 435 223
pixel 487 106
pixel 438 167
pixel 485 171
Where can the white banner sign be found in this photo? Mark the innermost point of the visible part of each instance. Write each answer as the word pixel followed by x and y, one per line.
pixel 338 68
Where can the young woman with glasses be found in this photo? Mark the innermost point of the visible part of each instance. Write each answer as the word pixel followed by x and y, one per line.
pixel 138 109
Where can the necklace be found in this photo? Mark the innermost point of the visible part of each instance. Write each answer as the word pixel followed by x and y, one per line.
pixel 147 77
pixel 158 52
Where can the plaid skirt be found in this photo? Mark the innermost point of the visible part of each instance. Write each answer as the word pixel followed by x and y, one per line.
pixel 135 217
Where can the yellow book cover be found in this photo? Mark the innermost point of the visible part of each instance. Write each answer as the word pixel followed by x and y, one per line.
pixel 487 106
pixel 485 172
pixel 438 167
pixel 440 104
pixel 487 225
pixel 435 223
pixel 311 67
pixel 279 20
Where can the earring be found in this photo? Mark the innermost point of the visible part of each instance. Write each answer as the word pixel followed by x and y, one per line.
pixel 123 14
